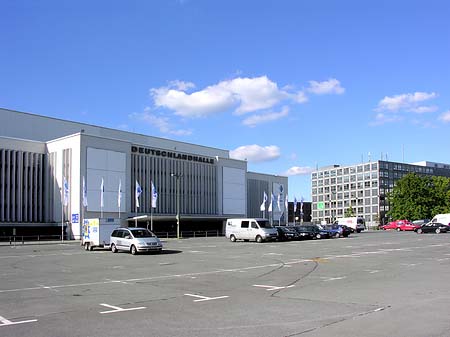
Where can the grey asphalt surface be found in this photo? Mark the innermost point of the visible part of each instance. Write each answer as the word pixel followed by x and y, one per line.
pixel 370 284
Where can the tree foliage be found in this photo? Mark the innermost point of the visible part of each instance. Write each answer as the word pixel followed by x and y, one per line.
pixel 349 212
pixel 419 197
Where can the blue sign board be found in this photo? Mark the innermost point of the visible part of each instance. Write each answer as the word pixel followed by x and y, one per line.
pixel 75 218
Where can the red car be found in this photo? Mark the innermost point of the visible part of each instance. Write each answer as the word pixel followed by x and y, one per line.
pixel 400 225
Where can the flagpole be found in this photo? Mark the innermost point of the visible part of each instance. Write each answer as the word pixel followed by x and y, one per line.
pixel 119 197
pixel 62 215
pixel 135 204
pixel 135 215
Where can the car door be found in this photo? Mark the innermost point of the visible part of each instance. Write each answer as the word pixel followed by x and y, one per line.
pixel 119 239
pixel 254 230
pixel 127 239
pixel 245 229
pixel 428 228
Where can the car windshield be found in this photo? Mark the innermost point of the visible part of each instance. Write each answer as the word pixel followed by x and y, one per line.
pixel 141 233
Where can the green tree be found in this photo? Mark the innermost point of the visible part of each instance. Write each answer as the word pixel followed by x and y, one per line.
pixel 419 197
pixel 349 212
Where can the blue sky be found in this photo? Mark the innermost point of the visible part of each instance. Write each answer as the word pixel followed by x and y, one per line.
pixel 288 85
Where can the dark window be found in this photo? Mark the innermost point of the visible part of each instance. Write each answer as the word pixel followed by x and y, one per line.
pixel 244 224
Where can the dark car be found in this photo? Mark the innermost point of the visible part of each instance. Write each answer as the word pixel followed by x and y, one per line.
pixel 432 227
pixel 311 232
pixel 286 233
pixel 337 231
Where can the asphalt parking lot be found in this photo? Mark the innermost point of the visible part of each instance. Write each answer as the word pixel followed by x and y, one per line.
pixel 370 284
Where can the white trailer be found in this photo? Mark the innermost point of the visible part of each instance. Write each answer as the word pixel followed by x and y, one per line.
pixel 97 232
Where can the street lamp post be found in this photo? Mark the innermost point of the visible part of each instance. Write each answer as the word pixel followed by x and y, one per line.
pixel 177 176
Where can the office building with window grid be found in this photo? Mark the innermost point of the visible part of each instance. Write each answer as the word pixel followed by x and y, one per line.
pixel 363 187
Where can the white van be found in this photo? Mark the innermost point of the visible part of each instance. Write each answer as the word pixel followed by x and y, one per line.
pixel 356 223
pixel 258 230
pixel 442 218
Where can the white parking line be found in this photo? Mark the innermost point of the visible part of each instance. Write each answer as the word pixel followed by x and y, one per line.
pixel 327 279
pixel 205 298
pixel 5 321
pixel 118 309
pixel 271 288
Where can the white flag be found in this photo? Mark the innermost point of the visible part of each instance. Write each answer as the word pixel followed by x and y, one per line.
pixel 119 195
pixel 286 204
pixel 66 192
pixel 154 196
pixel 85 201
pixel 263 205
pixel 137 193
pixel 102 191
pixel 295 205
pixel 272 198
pixel 279 202
pixel 301 205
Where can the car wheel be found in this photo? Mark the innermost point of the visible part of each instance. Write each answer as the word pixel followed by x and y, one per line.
pixel 133 250
pixel 318 236
pixel 259 239
pixel 438 230
pixel 232 238
pixel 113 248
pixel 399 229
pixel 337 235
pixel 419 231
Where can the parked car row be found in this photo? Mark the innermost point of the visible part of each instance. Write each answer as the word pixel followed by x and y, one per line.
pixel 419 226
pixel 260 230
pixel 312 232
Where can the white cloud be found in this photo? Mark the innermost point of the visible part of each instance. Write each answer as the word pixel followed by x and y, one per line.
pixel 332 86
pixel 254 120
pixel 160 122
pixel 410 102
pixel 298 171
pixel 424 109
pixel 198 104
pixel 300 97
pixel 254 93
pixel 445 117
pixel 242 95
pixel 382 118
pixel 256 153
pixel 181 85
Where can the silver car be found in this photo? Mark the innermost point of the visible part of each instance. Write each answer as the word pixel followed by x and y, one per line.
pixel 134 240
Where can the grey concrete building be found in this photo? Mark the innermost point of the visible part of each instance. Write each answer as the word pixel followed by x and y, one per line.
pixel 363 187
pixel 44 161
